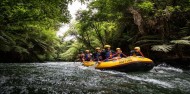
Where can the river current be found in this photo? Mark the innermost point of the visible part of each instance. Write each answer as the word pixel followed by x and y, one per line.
pixel 73 78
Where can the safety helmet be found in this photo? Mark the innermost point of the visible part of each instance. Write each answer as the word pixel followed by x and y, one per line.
pixel 87 50
pixel 118 49
pixel 97 48
pixel 107 46
pixel 137 48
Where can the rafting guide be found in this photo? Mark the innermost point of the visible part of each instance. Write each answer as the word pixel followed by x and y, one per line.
pixel 119 53
pixel 136 52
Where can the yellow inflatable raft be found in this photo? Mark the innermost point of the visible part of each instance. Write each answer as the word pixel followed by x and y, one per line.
pixel 131 63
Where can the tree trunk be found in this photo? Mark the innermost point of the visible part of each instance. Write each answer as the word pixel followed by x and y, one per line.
pixel 137 19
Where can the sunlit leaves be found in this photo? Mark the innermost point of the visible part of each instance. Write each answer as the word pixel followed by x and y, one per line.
pixel 28 27
pixel 182 42
pixel 71 52
pixel 162 48
pixel 146 6
pixel 118 22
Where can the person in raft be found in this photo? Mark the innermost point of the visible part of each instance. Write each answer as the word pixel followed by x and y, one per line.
pixel 119 53
pixel 107 53
pixel 87 56
pixel 97 55
pixel 81 56
pixel 136 52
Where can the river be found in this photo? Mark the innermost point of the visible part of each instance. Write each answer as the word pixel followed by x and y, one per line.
pixel 73 78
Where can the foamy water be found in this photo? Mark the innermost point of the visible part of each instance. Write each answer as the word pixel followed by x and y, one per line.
pixel 72 77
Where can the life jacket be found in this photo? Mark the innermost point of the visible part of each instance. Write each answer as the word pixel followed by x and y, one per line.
pixel 118 55
pixel 87 57
pixel 97 56
pixel 108 54
pixel 134 53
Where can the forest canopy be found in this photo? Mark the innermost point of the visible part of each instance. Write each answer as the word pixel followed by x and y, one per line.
pixel 28 28
pixel 160 27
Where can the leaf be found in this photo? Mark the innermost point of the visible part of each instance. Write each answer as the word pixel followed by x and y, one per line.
pixel 182 42
pixel 20 49
pixel 186 38
pixel 162 48
pixel 71 52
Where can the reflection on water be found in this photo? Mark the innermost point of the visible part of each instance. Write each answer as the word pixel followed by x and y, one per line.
pixel 72 77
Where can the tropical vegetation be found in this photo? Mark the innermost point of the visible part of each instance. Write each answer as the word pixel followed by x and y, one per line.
pixel 28 29
pixel 160 27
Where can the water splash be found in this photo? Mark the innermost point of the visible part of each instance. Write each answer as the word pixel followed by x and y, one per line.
pixel 167 68
pixel 150 80
pixel 72 77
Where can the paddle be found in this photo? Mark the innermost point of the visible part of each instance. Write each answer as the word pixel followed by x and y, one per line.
pixel 124 54
pixel 141 53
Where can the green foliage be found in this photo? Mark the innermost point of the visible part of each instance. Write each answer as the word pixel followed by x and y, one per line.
pixel 146 6
pixel 182 42
pixel 71 52
pixel 28 28
pixel 162 48
pixel 165 26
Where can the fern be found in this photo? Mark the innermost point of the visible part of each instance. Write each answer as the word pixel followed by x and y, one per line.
pixel 70 53
pixel 182 42
pixel 186 38
pixel 162 48
pixel 20 49
pixel 148 41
